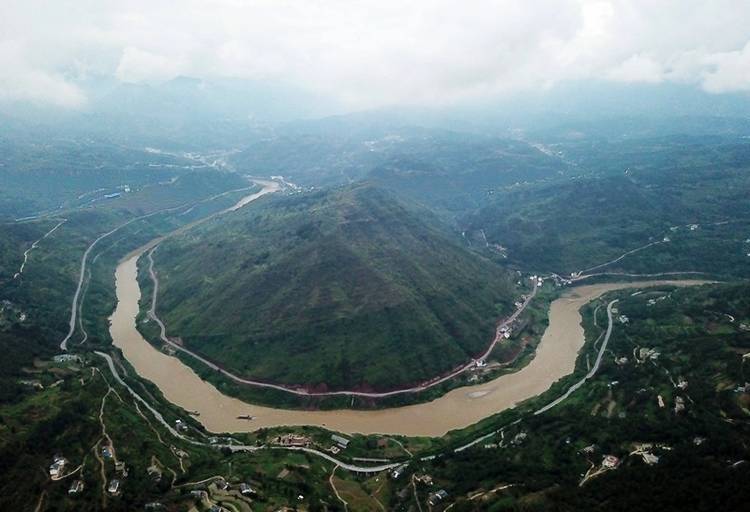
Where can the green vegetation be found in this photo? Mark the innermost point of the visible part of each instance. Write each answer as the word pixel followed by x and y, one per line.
pixel 65 173
pixel 447 170
pixel 79 412
pixel 700 447
pixel 354 287
pixel 626 194
pixel 347 289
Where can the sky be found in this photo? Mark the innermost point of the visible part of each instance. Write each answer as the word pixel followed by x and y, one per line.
pixel 367 54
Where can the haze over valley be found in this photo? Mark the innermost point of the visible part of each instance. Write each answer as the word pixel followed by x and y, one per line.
pixel 360 256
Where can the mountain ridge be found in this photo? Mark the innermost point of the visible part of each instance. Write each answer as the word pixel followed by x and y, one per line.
pixel 340 289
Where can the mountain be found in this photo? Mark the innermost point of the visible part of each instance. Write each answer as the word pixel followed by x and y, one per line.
pixel 448 170
pixel 626 194
pixel 338 289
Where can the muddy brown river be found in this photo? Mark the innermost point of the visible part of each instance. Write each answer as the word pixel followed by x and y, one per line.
pixel 555 358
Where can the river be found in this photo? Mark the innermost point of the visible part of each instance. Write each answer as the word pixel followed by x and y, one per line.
pixel 459 408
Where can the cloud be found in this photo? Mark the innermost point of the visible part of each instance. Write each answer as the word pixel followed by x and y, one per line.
pixel 637 68
pixel 137 65
pixel 728 71
pixel 369 53
pixel 19 80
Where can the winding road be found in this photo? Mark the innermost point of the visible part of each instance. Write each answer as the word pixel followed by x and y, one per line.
pixel 236 447
pixel 82 273
pixel 269 186
pixel 555 358
pixel 303 392
pixel 572 389
pixel 33 246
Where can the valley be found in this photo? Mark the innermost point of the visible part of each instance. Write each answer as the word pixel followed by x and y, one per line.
pixel 375 256
pixel 367 344
pixel 456 409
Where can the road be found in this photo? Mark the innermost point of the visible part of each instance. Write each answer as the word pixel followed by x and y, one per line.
pixel 619 258
pixel 268 187
pixel 81 278
pixel 626 274
pixel 237 447
pixel 593 369
pixel 303 392
pixel 585 274
pixel 565 395
pixel 82 272
pixel 34 245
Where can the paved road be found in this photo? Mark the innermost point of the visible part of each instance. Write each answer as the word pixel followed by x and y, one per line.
pixel 626 274
pixel 565 395
pixel 82 275
pixel 303 392
pixel 33 246
pixel 593 369
pixel 268 187
pixel 237 447
pixel 621 257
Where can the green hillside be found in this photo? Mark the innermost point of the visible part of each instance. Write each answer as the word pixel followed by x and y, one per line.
pixel 343 289
pixel 629 194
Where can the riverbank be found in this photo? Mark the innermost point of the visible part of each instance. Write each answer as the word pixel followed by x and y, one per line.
pixel 555 358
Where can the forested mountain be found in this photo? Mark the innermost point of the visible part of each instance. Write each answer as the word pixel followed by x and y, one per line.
pixel 347 288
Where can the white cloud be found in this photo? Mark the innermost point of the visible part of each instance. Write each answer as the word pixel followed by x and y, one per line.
pixel 637 68
pixel 375 52
pixel 19 80
pixel 728 72
pixel 137 65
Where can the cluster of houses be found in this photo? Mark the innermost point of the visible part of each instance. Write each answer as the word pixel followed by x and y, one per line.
pixel 436 497
pixel 679 405
pixel 537 280
pixel 301 441
pixel 610 462
pixel 340 444
pixel 644 354
pixel 519 438
pixel 66 358
pixel 154 472
pixel 114 487
pixel 652 302
pixel 645 451
pixel 679 402
pixel 220 484
pixel 57 472
pixel 294 440
pixel 506 330
pixel 75 488
pixel 57 467
pixel 562 281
